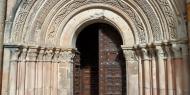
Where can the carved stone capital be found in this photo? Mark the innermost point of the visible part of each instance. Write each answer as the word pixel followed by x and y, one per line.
pixel 48 54
pixel 145 54
pixel 15 54
pixel 32 55
pixel 168 49
pixel 129 54
pixel 161 53
pixel 41 54
pixel 152 51
pixel 56 55
pixel 66 56
pixel 177 51
pixel 23 54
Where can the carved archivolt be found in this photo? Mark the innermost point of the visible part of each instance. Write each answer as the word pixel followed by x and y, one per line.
pixel 50 14
pixel 170 18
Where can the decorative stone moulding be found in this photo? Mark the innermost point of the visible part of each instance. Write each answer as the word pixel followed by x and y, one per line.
pixel 41 22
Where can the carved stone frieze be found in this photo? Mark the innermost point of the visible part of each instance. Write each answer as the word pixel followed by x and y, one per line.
pixel 38 54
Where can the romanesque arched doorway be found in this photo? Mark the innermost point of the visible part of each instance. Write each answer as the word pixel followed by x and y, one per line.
pixel 102 65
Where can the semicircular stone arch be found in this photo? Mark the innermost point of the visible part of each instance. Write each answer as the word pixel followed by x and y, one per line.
pixel 60 19
pixel 70 31
pixel 140 21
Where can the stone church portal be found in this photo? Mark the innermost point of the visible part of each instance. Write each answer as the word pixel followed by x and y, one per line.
pixel 94 47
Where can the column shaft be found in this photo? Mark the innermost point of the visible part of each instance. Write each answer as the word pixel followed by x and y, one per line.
pixel 147 72
pixel 39 73
pixel 30 71
pixel 21 73
pixel 154 70
pixel 178 62
pixel 131 71
pixel 170 71
pixel 162 70
pixel 65 73
pixel 13 72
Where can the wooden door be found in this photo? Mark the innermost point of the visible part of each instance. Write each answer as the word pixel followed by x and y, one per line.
pixel 102 63
pixel 111 62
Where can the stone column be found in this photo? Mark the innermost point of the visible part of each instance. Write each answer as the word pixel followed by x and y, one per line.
pixel 21 72
pixel 39 72
pixel 65 72
pixel 170 70
pixel 15 52
pixel 30 71
pixel 47 71
pixel 154 69
pixel 140 71
pixel 178 61
pixel 54 74
pixel 131 71
pixel 162 70
pixel 146 66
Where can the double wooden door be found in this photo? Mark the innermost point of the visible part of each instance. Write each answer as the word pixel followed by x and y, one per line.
pixel 104 72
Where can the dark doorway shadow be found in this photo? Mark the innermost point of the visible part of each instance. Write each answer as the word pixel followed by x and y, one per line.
pixel 87 45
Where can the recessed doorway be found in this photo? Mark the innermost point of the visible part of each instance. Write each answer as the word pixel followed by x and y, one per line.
pixel 102 64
